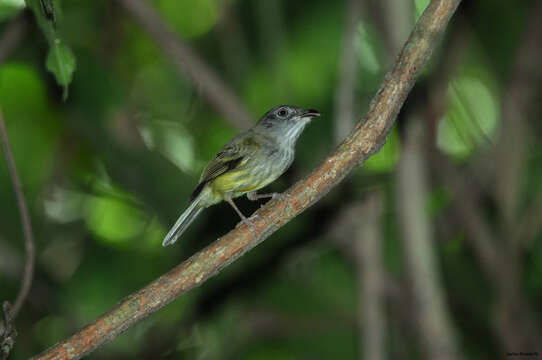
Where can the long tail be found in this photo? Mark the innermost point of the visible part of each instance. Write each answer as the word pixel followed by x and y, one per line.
pixel 183 222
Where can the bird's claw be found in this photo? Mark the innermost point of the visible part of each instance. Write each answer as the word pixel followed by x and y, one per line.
pixel 283 196
pixel 248 222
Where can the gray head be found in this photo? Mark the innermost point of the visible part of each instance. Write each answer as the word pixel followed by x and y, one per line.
pixel 285 123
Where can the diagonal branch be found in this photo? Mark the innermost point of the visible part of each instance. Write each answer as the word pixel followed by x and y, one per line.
pixel 366 139
pixel 187 61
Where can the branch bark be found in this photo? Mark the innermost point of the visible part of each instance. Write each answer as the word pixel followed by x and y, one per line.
pixel 366 139
pixel 187 61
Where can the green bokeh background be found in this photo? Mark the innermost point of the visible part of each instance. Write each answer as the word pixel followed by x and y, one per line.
pixel 108 170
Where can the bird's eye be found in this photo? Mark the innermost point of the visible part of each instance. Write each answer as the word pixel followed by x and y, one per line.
pixel 282 112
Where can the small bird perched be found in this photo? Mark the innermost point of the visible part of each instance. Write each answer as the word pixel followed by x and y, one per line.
pixel 248 162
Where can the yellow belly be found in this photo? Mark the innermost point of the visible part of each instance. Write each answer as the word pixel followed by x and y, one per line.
pixel 237 183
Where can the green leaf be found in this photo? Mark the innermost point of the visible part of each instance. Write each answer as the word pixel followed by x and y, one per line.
pixel 61 62
pixel 60 59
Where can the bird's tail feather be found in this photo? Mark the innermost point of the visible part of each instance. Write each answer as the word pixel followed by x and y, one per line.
pixel 183 222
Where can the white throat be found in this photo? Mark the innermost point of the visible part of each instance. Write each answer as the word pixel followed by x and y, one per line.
pixel 292 134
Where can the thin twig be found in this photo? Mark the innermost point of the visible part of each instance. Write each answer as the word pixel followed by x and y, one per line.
pixel 187 61
pixel 25 220
pixel 366 139
pixel 8 337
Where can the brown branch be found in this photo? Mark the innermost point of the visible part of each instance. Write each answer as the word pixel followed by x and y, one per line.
pixel 187 61
pixel 366 139
pixel 9 334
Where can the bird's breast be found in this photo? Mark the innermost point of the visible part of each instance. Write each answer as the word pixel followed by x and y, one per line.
pixel 258 171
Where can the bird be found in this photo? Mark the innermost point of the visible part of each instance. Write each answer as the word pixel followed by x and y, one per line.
pixel 248 162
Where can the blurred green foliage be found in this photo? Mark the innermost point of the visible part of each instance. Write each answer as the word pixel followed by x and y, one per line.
pixel 109 166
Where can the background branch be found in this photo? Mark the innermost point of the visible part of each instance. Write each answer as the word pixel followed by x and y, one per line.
pixel 510 306
pixel 513 318
pixel 345 104
pixel 514 140
pixel 187 61
pixel 366 139
pixel 436 333
pixel 368 250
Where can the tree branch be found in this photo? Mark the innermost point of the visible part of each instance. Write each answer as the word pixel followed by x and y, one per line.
pixel 187 61
pixel 366 139
pixel 11 312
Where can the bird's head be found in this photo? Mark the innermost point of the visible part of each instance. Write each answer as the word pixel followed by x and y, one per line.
pixel 285 122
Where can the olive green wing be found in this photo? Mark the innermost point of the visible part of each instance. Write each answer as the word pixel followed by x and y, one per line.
pixel 230 157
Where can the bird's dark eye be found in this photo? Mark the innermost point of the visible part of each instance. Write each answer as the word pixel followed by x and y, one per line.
pixel 282 112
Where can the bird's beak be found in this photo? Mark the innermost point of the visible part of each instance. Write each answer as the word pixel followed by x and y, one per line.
pixel 311 113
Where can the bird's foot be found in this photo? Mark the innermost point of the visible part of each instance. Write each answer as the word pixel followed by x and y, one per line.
pixel 283 197
pixel 248 222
